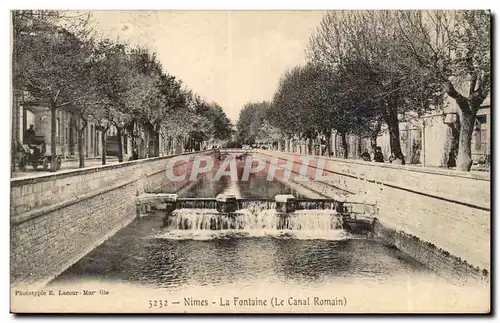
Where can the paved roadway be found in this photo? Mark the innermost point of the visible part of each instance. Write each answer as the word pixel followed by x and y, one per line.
pixel 67 164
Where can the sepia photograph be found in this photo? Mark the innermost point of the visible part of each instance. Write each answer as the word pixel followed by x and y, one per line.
pixel 250 161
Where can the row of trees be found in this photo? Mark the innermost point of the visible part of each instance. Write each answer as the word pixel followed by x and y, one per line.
pixel 58 59
pixel 253 124
pixel 367 68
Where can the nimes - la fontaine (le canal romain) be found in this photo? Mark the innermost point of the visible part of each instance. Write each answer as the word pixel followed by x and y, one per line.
pixel 232 175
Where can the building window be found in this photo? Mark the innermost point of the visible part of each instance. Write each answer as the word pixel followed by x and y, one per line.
pixel 477 140
pixel 484 141
pixel 481 118
pixel 480 136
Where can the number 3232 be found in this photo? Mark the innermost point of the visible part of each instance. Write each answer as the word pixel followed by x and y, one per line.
pixel 158 303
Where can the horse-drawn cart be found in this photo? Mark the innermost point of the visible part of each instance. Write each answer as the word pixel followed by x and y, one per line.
pixel 35 154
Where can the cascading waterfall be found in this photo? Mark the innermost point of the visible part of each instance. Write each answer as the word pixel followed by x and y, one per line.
pixel 315 204
pixel 256 205
pixel 258 218
pixel 313 220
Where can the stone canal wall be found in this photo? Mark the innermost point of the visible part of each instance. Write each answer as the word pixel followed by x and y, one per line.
pixel 58 218
pixel 446 209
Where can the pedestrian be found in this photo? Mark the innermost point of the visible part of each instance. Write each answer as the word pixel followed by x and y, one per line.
pixel 394 160
pixel 366 155
pixel 378 157
pixel 452 162
pixel 29 135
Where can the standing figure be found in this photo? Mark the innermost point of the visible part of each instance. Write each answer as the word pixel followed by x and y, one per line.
pixel 378 157
pixel 29 136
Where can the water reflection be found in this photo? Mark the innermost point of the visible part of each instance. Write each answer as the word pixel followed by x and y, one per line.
pixel 135 256
pixel 257 186
pixel 206 188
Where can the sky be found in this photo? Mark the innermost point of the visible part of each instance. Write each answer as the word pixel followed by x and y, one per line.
pixel 228 57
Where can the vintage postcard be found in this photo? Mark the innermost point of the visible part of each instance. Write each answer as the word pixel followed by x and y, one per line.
pixel 250 161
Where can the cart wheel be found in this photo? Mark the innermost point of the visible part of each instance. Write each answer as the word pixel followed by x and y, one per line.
pixel 22 164
pixel 45 164
pixel 58 163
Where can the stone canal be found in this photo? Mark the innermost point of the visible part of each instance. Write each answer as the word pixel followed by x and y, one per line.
pixel 150 255
pixel 195 258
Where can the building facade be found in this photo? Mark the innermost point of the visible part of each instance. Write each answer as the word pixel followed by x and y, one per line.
pixel 26 112
pixel 427 140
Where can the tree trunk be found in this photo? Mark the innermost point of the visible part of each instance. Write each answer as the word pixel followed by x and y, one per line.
pixel 81 157
pixel 145 145
pixel 451 150
pixel 374 135
pixel 309 146
pixel 345 152
pixel 373 142
pixel 335 150
pixel 391 118
pixel 61 137
pixel 467 115
pixel 104 134
pixel 135 148
pixel 157 144
pixel 360 139
pixel 72 134
pixel 328 146
pixel 119 133
pixel 53 136
pixel 82 122
pixel 154 146
pixel 464 158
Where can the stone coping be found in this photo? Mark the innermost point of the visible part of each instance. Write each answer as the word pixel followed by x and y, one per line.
pixel 420 169
pixel 485 206
pixel 15 182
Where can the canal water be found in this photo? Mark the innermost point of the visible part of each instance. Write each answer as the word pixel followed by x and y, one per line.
pixel 148 255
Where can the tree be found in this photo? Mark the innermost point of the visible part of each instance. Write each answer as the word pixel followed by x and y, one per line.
pixel 454 48
pixel 287 109
pixel 222 127
pixel 58 60
pixel 204 128
pixel 311 102
pixel 329 104
pixel 46 58
pixel 113 79
pixel 367 45
pixel 250 119
pixel 268 133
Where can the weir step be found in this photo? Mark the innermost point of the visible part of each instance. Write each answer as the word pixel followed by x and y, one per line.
pixel 228 203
